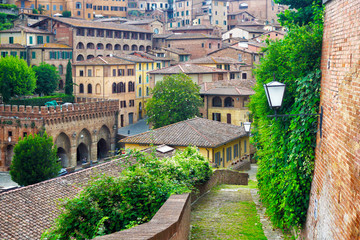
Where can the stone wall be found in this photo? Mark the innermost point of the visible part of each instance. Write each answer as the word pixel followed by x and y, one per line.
pixel 335 193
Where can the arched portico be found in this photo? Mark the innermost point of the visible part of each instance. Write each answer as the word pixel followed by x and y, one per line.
pixel 84 144
pixel 64 149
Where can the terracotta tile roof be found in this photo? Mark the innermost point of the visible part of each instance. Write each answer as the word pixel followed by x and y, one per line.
pixel 133 58
pixel 199 132
pixel 187 68
pixel 103 61
pixel 51 45
pixel 183 36
pixel 81 23
pixel 153 57
pixel 212 60
pixel 193 27
pixel 20 28
pixel 162 35
pixel 237 13
pixel 228 88
pixel 12 46
pixel 142 22
pixel 177 51
pixel 26 212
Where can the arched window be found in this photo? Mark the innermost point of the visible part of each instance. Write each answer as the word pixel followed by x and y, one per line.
pixel 109 46
pixel 126 47
pixel 122 87
pixel 90 57
pixel 98 89
pixel 118 88
pixel 134 48
pixel 130 86
pixel 114 88
pixel 147 91
pixel 89 88
pixel 117 47
pixel 80 58
pixel 90 46
pixel 148 48
pixel 216 102
pixel 81 88
pixel 80 45
pixel 141 48
pixel 61 69
pixel 140 79
pixel 140 92
pixel 99 46
pixel 229 102
pixel 147 78
pixel 78 5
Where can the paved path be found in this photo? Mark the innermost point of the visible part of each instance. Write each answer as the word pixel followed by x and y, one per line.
pixel 232 212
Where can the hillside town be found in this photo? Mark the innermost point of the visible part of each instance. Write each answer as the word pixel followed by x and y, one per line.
pixel 155 110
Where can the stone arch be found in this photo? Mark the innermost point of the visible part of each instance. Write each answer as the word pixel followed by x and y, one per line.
pixel 98 89
pixel 126 47
pixel 134 47
pixel 148 48
pixel 117 47
pixel 109 46
pixel 141 48
pixel 90 56
pixel 102 149
pixel 90 45
pixel 83 144
pixel 61 84
pixel 63 145
pixel 229 102
pixel 216 102
pixel 99 46
pixel 80 45
pixel 80 57
pixel 103 145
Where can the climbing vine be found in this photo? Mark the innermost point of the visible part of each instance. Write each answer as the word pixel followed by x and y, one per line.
pixel 285 146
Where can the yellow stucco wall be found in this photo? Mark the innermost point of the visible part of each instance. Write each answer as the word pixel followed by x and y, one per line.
pixel 238 116
pixel 142 87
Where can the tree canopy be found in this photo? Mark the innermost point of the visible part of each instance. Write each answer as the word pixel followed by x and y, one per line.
pixel 47 78
pixel 68 80
pixel 175 98
pixel 285 146
pixel 16 78
pixel 34 160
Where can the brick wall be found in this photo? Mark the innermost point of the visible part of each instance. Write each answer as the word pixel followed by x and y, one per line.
pixel 334 211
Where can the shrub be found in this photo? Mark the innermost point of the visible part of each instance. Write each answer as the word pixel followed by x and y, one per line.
pixel 40 101
pixel 113 204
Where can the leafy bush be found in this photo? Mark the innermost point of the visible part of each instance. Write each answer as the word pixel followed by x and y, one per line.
pixel 47 78
pixel 40 101
pixel 66 14
pixel 112 204
pixel 9 6
pixel 285 147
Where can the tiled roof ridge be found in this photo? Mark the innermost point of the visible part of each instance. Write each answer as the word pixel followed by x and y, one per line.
pixel 103 60
pixel 181 68
pixel 198 131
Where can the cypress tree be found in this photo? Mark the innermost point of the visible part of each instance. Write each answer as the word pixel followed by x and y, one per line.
pixel 69 82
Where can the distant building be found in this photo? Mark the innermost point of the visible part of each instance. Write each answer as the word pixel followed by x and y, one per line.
pixel 153 25
pixel 243 32
pixel 175 55
pixel 221 143
pixel 236 18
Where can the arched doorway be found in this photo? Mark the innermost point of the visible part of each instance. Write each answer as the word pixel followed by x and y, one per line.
pixel 63 158
pixel 9 155
pixel 82 154
pixel 102 149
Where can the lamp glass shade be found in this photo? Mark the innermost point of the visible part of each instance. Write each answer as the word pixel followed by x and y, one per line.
pixel 275 93
pixel 247 126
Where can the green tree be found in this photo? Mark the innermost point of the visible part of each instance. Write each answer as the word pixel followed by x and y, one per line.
pixel 16 78
pixel 68 80
pixel 35 11
pixel 34 160
pixel 300 12
pixel 285 147
pixel 41 9
pixel 174 99
pixel 66 14
pixel 47 78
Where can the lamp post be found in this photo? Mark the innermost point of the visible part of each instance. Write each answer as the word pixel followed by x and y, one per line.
pixel 247 126
pixel 275 94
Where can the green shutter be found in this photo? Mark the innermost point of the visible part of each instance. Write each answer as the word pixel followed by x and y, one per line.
pixel 33 55
pixel 31 39
pixel 70 55
pixel 47 39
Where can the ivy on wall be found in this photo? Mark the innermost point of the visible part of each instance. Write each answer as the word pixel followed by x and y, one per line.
pixel 285 146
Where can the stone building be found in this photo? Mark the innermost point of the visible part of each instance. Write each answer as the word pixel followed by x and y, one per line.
pixel 198 45
pixel 26 36
pixel 182 11
pixel 226 101
pixel 81 130
pixel 236 18
pixel 92 39
pixel 175 55
pixel 228 144
pixel 80 9
pixel 334 211
pixel 211 13
pixel 153 25
pixel 243 32
pixel 108 78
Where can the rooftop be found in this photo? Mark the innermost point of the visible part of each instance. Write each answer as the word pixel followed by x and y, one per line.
pixel 228 88
pixel 95 24
pixel 12 46
pixel 51 45
pixel 193 27
pixel 19 28
pixel 199 132
pixel 102 61
pixel 176 50
pixel 142 22
pixel 182 36
pixel 133 58
pixel 187 68
pixel 214 60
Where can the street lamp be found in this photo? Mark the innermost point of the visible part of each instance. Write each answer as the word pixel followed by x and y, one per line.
pixel 275 94
pixel 247 126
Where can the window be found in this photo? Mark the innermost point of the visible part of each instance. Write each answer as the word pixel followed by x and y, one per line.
pixel 243 75
pixel 219 66
pixel 120 72
pixel 47 39
pixel 78 13
pixel 140 79
pixel 216 117
pixel 220 76
pixel 10 133
pixel 4 54
pixel 24 134
pixel 147 91
pixel 81 73
pixel 47 7
pixel 81 88
pixel 216 22
pixel 216 102
pixel 236 150
pixel 11 40
pixel 245 149
pixel 31 40
pixel 61 7
pixel 12 53
pixel 40 40
pixel 23 55
pixel 140 93
pixel 147 78
pixel 140 66
pixel 215 3
pixel 228 154
pixel 114 72
pixel 225 23
pixel 254 58
pixel 130 72
pixel 217 159
pixel 202 45
pixel 239 57
pixel 33 55
pixel 78 5
pixel 54 7
pixel 158 65
pixel 232 75
pixel 113 87
pixel 61 69
pixel 131 103
pixel 89 72
pixel 89 88
pixel 228 118
pixel 209 45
